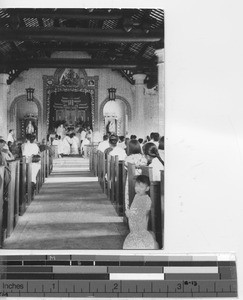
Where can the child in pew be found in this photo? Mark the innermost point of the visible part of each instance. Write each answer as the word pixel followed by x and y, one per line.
pixel 138 215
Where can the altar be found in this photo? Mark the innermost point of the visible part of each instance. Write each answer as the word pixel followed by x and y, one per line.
pixel 71 99
pixel 70 108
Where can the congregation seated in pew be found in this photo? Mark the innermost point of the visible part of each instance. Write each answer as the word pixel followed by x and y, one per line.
pixel 30 149
pixel 16 184
pixel 114 149
pixel 104 144
pixel 149 163
pixel 154 160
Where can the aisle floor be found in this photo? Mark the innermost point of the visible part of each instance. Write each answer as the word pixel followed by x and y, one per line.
pixel 70 212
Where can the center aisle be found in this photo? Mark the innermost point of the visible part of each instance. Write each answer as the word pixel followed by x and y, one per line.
pixel 70 212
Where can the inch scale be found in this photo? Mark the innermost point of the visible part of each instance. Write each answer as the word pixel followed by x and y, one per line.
pixel 118 276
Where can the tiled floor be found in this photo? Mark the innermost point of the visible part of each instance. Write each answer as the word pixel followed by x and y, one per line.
pixel 70 212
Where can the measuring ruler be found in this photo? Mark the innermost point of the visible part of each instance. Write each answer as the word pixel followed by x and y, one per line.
pixel 118 276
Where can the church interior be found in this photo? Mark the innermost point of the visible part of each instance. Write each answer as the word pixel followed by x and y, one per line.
pixel 65 72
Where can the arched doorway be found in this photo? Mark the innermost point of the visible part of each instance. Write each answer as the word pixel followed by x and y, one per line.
pixel 22 113
pixel 115 116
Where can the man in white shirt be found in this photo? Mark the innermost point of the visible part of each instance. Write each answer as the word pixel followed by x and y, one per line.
pixel 104 144
pixel 113 139
pixel 121 142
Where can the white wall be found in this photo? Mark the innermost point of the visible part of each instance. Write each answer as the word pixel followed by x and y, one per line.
pixel 33 78
pixel 107 78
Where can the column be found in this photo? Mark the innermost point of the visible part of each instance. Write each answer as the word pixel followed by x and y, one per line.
pixel 161 86
pixel 138 113
pixel 3 105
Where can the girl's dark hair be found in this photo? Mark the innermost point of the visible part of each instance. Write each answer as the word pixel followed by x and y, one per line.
pixel 133 147
pixel 162 143
pixel 143 179
pixel 151 150
pixel 122 138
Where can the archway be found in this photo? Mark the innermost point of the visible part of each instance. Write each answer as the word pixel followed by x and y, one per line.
pixel 21 112
pixel 118 113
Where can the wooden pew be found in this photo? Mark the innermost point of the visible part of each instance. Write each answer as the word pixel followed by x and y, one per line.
pixel 42 168
pixel 90 151
pixel 23 186
pixel 131 181
pixel 1 203
pixel 29 179
pixel 47 163
pixel 162 187
pixel 104 166
pixel 108 175
pixel 95 161
pixel 11 197
pixel 156 218
pixel 44 165
pixel 112 179
pixel 93 158
pixel 101 170
pixel 120 182
pixel 17 193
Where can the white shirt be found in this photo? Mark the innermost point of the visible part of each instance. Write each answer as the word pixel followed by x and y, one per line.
pixel 10 138
pixel 30 149
pixel 122 145
pixel 157 167
pixel 120 152
pixel 55 142
pixel 82 135
pixel 103 145
pixel 154 142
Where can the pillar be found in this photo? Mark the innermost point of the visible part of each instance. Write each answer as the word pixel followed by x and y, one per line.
pixel 161 86
pixel 138 111
pixel 3 105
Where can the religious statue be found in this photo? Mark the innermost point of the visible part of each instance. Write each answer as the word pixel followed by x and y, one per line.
pixel 30 128
pixel 111 126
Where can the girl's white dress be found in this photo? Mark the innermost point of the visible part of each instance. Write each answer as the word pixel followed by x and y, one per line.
pixel 139 236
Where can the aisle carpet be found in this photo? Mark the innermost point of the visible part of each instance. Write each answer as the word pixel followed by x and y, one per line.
pixel 70 212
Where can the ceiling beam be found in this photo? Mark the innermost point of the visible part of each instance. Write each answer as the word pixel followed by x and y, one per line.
pixel 67 14
pixel 78 35
pixel 74 63
pixel 69 47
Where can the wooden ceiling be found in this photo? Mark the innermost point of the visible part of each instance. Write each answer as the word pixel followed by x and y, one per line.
pixel 121 39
